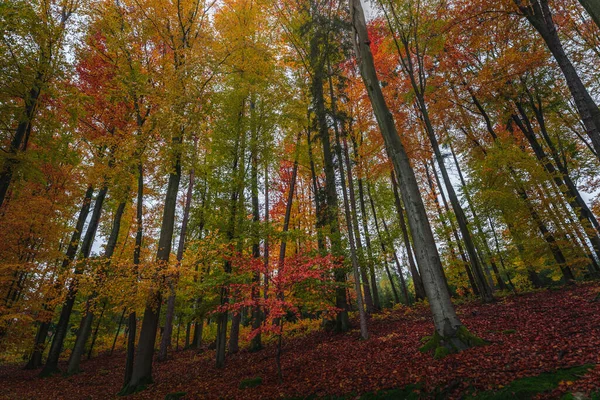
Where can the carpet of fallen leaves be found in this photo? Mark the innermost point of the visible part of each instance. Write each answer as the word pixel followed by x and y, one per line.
pixel 529 334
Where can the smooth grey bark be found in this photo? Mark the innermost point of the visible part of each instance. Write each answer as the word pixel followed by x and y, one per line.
pixel 446 322
pixel 539 15
pixel 165 342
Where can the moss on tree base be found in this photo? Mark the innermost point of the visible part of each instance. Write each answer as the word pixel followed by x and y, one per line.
pixel 442 346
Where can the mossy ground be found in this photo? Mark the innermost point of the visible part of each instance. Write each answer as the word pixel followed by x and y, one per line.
pixel 442 346
pixel 527 388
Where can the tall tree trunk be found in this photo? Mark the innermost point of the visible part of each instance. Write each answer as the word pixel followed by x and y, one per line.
pixel 35 359
pixel 256 342
pixel 112 348
pixel 364 333
pixel 236 195
pixel 165 342
pixel 330 213
pixel 20 139
pixel 441 214
pixel 477 221
pixel 350 201
pixel 416 276
pixel 142 365
pixel 484 288
pixel 364 219
pixel 447 323
pixel 85 326
pixel 383 246
pixel 539 15
pixel 593 8
pixel 132 319
pixel 562 179
pixel 62 327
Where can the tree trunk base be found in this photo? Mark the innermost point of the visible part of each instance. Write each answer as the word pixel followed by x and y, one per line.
pixel 442 346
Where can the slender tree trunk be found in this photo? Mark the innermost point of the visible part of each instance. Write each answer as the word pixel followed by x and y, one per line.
pixel 331 211
pixel 36 356
pixel 562 179
pixel 132 319
pixel 62 327
pixel 85 326
pixel 112 348
pixel 447 323
pixel 95 334
pixel 417 281
pixel 484 289
pixel 350 201
pixel 441 214
pixel 364 333
pixel 539 15
pixel 383 246
pixel 477 221
pixel 256 342
pixel 165 342
pixel 593 8
pixel 142 366
pixel 236 194
pixel 19 140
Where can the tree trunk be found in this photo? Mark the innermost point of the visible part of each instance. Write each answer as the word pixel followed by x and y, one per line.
pixel 499 280
pixel 95 334
pixel 331 209
pixel 441 214
pixel 165 342
pixel 142 366
pixel 364 333
pixel 112 348
pixel 19 140
pixel 447 323
pixel 85 327
pixel 36 356
pixel 539 15
pixel 256 342
pixel 417 281
pixel 236 195
pixel 593 8
pixel 383 246
pixel 132 320
pixel 62 327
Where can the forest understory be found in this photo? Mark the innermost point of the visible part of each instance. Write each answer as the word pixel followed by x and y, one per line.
pixel 529 334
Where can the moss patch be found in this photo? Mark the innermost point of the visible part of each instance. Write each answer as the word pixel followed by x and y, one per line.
pixel 250 382
pixel 442 346
pixel 527 388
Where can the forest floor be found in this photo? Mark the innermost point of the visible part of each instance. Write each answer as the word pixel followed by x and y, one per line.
pixel 544 344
